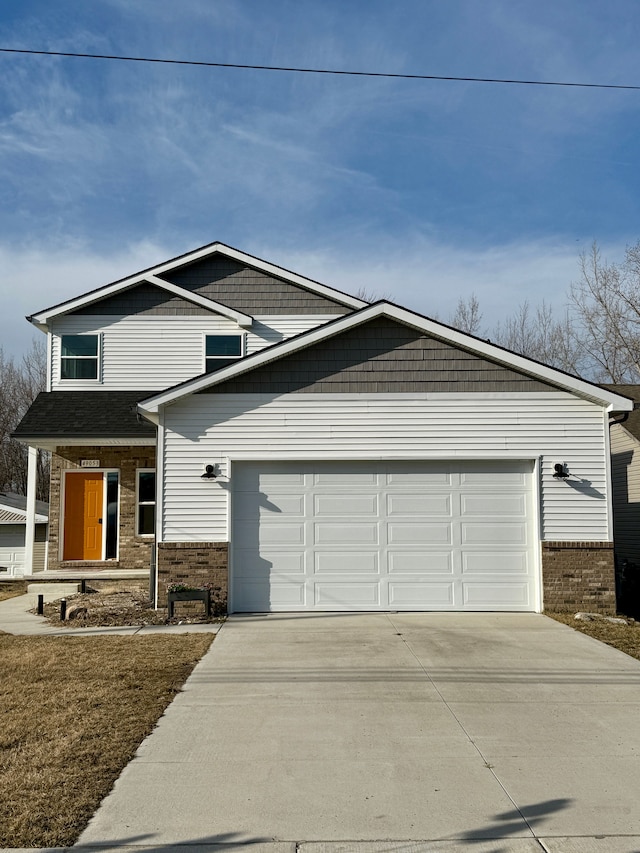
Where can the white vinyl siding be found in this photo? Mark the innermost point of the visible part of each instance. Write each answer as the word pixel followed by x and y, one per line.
pixel 156 352
pixel 558 427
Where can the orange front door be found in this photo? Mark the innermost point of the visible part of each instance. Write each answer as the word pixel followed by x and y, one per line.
pixel 83 516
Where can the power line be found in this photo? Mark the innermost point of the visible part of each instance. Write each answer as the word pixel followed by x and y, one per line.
pixel 316 70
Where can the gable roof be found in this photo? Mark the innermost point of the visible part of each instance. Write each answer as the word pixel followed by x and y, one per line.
pixel 13 509
pixel 154 276
pixel 432 328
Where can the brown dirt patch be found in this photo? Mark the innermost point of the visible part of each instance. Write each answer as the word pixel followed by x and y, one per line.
pixel 113 607
pixel 74 710
pixel 625 638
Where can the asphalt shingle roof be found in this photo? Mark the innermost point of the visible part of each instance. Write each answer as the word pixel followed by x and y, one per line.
pixel 85 414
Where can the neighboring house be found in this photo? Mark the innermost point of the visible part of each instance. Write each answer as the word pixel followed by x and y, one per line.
pixel 13 523
pixel 300 449
pixel 625 468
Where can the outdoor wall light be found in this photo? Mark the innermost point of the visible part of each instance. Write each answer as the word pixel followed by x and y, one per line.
pixel 209 473
pixel 561 471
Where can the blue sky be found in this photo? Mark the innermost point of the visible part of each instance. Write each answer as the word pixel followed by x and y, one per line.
pixel 425 190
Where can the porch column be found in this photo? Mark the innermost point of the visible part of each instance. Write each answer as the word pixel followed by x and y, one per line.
pixel 30 529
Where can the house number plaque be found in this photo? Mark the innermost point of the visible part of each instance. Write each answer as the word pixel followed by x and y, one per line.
pixel 89 463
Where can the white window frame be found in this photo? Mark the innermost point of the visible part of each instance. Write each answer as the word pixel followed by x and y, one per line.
pixel 223 334
pixel 97 357
pixel 139 503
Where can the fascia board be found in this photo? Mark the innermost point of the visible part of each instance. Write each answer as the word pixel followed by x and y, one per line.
pixel 241 319
pixel 41 318
pixel 542 372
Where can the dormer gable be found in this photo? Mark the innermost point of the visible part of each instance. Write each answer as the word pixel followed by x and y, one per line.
pixel 213 274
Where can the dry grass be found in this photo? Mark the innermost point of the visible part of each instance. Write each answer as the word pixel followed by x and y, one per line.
pixel 74 710
pixel 11 589
pixel 626 638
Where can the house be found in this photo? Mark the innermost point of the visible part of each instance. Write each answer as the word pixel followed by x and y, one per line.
pixel 230 422
pixel 625 470
pixel 13 524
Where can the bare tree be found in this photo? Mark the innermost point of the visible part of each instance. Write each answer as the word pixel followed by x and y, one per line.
pixel 467 317
pixel 372 295
pixel 542 335
pixel 19 386
pixel 605 308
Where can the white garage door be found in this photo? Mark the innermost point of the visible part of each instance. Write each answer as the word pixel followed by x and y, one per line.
pixel 382 536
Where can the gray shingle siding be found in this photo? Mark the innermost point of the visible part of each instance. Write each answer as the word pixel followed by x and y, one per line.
pixel 381 356
pixel 143 299
pixel 248 290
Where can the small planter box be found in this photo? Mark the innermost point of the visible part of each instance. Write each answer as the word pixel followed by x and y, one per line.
pixel 190 595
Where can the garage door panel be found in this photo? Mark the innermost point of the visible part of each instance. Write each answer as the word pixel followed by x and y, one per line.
pixel 421 595
pixel 246 478
pixel 402 535
pixel 416 532
pixel 418 504
pixel 345 533
pixel 254 506
pixel 487 475
pixel 410 473
pixel 420 563
pixel 495 563
pixel 493 533
pixel 497 506
pixel 348 478
pixel 330 563
pixel 347 504
pixel 284 533
pixel 271 563
pixel 513 596
pixel 287 594
pixel 348 595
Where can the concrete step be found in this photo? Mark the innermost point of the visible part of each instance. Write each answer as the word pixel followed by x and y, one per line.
pixel 51 591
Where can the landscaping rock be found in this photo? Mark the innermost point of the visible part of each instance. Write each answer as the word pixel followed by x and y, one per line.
pixel 75 611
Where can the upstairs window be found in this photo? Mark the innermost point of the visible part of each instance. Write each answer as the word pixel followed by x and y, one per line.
pixel 79 357
pixel 221 350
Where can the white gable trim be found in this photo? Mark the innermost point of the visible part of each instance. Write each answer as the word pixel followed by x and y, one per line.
pixel 43 317
pixel 422 324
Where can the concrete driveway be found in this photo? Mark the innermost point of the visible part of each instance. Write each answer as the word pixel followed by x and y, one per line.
pixel 500 733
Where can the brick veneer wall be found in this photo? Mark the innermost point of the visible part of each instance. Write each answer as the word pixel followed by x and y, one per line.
pixel 134 551
pixel 194 564
pixel 579 576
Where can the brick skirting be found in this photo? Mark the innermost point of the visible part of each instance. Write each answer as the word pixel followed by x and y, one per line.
pixel 195 564
pixel 576 575
pixel 579 576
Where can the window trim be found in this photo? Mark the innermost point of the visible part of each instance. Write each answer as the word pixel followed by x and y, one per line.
pixel 97 357
pixel 222 334
pixel 139 503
